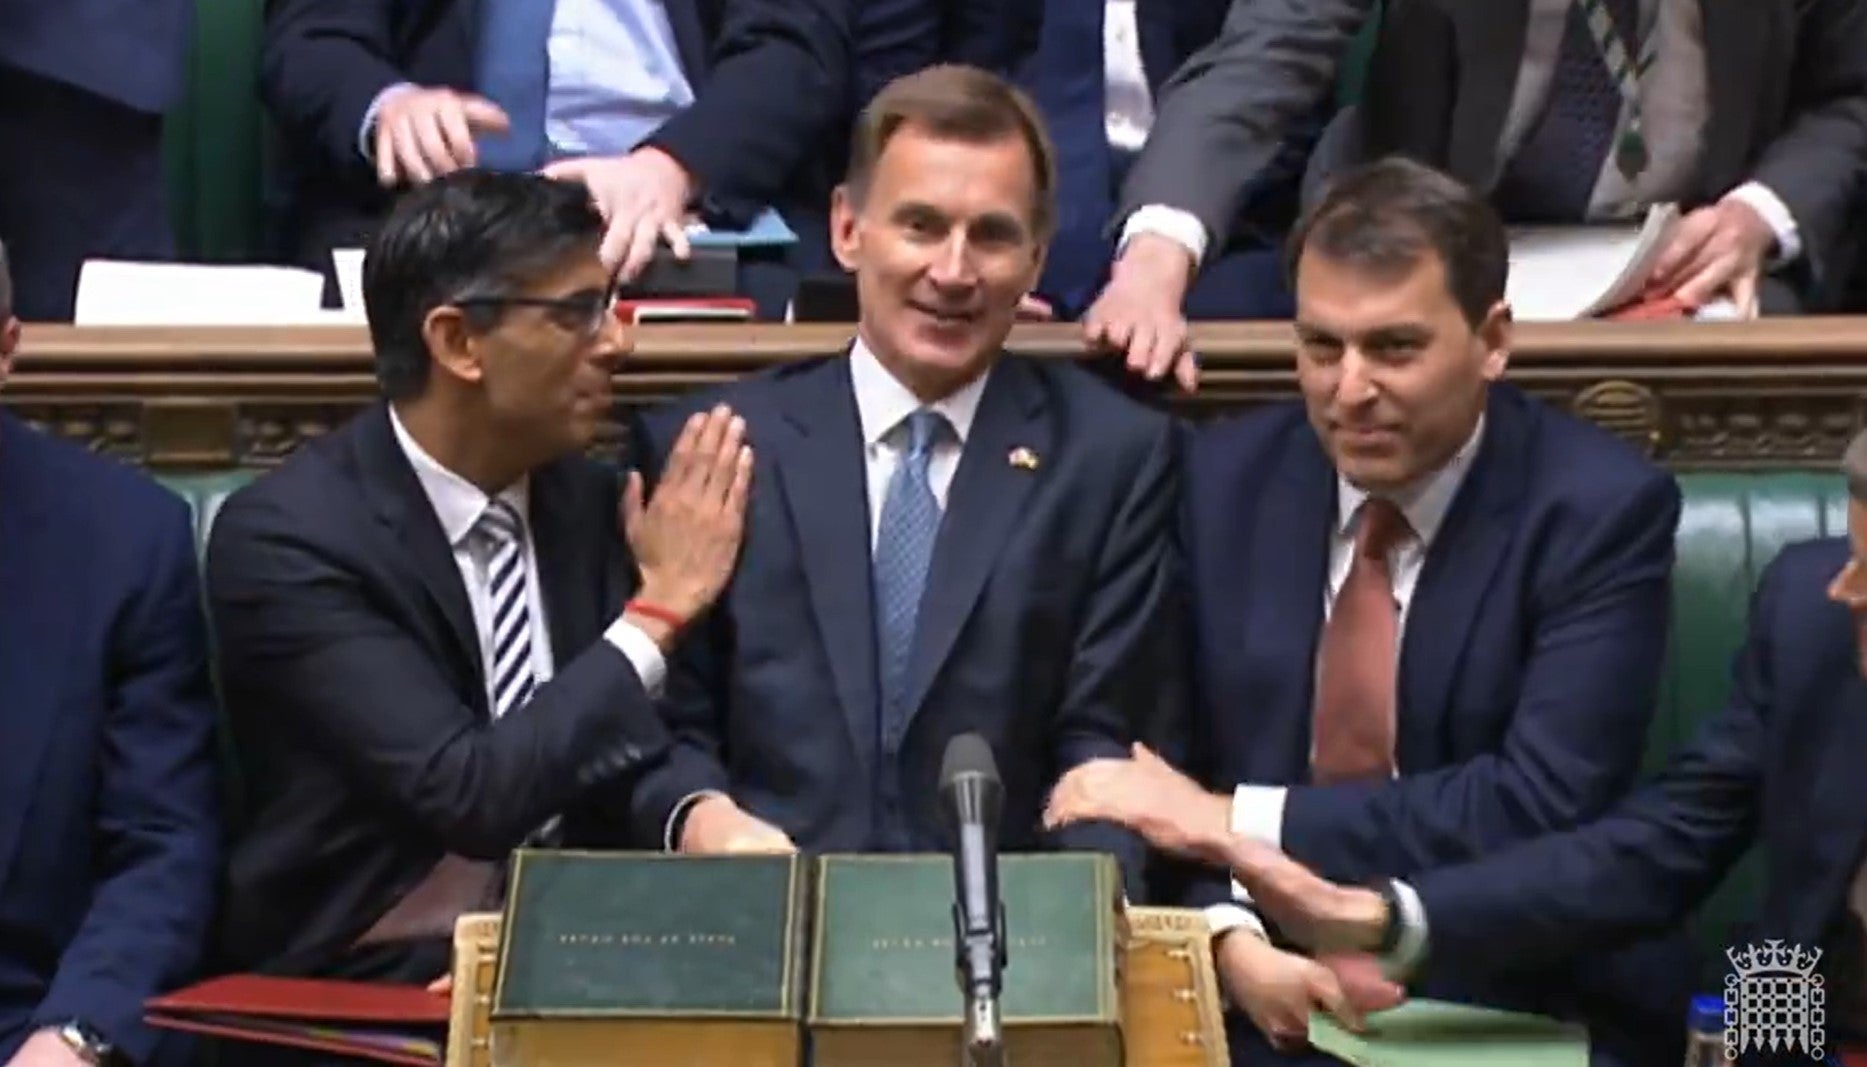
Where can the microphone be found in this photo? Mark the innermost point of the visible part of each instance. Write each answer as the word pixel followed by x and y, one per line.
pixel 970 798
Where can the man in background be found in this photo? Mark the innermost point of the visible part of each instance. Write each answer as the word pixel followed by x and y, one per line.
pixel 668 110
pixel 84 86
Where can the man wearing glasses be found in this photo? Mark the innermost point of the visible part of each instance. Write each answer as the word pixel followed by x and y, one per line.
pixel 441 627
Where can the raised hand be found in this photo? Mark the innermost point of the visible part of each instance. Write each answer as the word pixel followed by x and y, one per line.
pixel 686 539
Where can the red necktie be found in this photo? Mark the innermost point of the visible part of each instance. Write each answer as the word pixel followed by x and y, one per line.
pixel 1357 671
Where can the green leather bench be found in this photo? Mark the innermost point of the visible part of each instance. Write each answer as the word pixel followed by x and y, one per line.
pixel 1731 527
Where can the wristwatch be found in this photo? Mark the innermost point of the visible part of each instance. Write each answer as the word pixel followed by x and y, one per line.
pixel 90 1045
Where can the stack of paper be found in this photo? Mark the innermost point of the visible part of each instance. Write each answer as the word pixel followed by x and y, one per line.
pixel 1431 1033
pixel 1578 272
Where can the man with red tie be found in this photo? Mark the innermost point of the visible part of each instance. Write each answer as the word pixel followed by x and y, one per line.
pixel 1430 614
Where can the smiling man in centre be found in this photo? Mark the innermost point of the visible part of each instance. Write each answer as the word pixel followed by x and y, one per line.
pixel 942 538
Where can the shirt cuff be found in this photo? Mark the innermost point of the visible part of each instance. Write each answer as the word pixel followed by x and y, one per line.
pixel 1223 918
pixel 1258 813
pixel 1181 227
pixel 670 833
pixel 1410 948
pixel 366 130
pixel 1764 201
pixel 651 667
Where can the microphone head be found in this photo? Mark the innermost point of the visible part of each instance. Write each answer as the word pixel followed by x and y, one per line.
pixel 967 755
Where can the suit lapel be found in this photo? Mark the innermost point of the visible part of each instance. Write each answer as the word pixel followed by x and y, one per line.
pixel 1283 592
pixel 35 612
pixel 1490 49
pixel 396 497
pixel 825 487
pixel 983 504
pixel 1456 576
pixel 570 572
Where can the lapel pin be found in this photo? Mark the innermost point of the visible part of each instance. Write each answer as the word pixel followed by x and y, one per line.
pixel 1022 458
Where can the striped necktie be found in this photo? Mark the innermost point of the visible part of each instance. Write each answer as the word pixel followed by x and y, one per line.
pixel 510 668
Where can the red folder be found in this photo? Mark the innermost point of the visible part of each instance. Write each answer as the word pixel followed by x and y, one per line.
pixel 636 312
pixel 385 1023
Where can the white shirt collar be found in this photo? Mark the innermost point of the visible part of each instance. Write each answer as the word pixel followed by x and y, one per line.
pixel 882 401
pixel 1425 502
pixel 457 502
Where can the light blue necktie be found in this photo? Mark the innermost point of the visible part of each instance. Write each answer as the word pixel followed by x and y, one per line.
pixel 904 545
pixel 513 70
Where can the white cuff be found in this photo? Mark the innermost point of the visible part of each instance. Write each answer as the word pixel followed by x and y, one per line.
pixel 1410 949
pixel 1181 227
pixel 1258 813
pixel 1764 201
pixel 674 818
pixel 366 130
pixel 1223 917
pixel 644 655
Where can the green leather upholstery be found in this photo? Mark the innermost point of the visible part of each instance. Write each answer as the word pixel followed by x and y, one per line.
pixel 1731 527
pixel 205 492
pixel 214 138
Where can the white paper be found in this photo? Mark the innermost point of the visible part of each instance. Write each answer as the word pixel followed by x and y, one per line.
pixel 347 264
pixel 1559 273
pixel 122 293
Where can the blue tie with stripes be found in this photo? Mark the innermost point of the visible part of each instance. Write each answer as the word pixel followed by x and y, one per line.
pixel 510 668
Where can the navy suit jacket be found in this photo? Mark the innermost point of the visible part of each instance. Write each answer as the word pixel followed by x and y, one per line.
pixel 134 52
pixel 770 79
pixel 354 686
pixel 1781 764
pixel 1048 624
pixel 109 831
pixel 1529 663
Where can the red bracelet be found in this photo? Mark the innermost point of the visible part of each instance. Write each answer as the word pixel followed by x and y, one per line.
pixel 656 612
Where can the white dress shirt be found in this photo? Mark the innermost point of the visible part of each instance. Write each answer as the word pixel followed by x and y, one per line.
pixel 458 504
pixel 615 75
pixel 1258 810
pixel 883 405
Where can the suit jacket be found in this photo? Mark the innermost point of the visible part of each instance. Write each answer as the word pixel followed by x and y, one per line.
pixel 770 80
pixel 1529 663
pixel 897 37
pixel 1227 114
pixel 1780 764
pixel 352 677
pixel 134 52
pixel 1049 623
pixel 109 819
pixel 1788 106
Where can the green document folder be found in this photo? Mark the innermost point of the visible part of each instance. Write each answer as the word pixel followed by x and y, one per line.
pixel 1433 1033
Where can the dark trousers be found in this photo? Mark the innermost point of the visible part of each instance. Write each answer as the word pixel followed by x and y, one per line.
pixel 80 178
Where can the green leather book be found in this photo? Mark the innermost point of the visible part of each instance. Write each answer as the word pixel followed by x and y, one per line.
pixel 1434 1033
pixel 884 989
pixel 675 959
